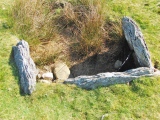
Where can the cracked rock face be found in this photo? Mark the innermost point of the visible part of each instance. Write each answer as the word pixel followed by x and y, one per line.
pixel 136 42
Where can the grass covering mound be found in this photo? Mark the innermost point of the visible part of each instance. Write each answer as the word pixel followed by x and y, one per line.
pixel 65 30
pixel 140 100
pixel 72 31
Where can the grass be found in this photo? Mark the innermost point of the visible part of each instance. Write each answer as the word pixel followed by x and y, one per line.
pixel 140 100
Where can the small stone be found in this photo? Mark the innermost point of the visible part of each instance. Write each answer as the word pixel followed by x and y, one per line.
pixel 156 72
pixel 47 76
pixel 118 64
pixel 60 71
pixel 39 76
pixel 45 81
pixel 128 83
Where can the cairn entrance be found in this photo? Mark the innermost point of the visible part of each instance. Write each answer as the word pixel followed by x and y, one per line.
pixel 140 58
pixel 132 52
pixel 105 62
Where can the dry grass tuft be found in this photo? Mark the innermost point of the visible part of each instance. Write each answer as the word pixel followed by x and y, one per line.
pixel 84 21
pixel 33 19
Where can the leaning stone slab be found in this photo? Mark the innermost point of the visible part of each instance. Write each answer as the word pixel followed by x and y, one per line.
pixel 136 42
pixel 109 78
pixel 26 67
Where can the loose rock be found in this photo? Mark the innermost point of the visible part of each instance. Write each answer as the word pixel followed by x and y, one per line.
pixel 118 64
pixel 45 81
pixel 60 71
pixel 39 76
pixel 47 76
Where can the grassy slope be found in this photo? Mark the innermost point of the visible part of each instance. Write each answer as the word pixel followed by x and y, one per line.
pixel 141 100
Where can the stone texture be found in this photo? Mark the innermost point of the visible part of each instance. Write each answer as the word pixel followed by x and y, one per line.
pixel 60 71
pixel 109 78
pixel 26 67
pixel 118 64
pixel 136 42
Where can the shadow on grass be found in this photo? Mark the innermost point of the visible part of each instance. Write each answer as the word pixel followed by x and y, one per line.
pixel 15 72
pixel 144 87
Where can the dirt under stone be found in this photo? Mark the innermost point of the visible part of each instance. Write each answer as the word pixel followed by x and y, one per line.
pixel 104 61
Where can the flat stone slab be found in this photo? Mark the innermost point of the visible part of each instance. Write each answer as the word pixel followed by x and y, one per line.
pixel 136 42
pixel 109 78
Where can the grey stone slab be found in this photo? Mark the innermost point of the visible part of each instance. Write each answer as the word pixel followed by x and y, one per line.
pixel 26 67
pixel 136 42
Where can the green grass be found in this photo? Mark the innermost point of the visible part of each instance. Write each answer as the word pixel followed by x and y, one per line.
pixel 140 100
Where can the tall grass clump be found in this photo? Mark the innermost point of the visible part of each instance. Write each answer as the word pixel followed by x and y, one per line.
pixel 39 19
pixel 33 19
pixel 87 19
pixel 34 22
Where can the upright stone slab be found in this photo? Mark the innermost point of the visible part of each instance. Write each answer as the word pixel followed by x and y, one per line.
pixel 26 67
pixel 136 42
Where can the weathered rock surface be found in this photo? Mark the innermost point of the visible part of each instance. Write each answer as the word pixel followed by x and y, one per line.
pixel 26 67
pixel 136 42
pixel 60 71
pixel 109 78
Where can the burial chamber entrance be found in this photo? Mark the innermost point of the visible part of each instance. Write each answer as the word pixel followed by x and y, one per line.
pixel 129 53
pixel 117 58
pixel 134 54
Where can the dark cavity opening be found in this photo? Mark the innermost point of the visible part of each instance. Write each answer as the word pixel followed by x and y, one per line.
pixel 104 62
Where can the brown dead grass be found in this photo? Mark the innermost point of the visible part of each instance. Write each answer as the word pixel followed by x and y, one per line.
pixel 86 23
